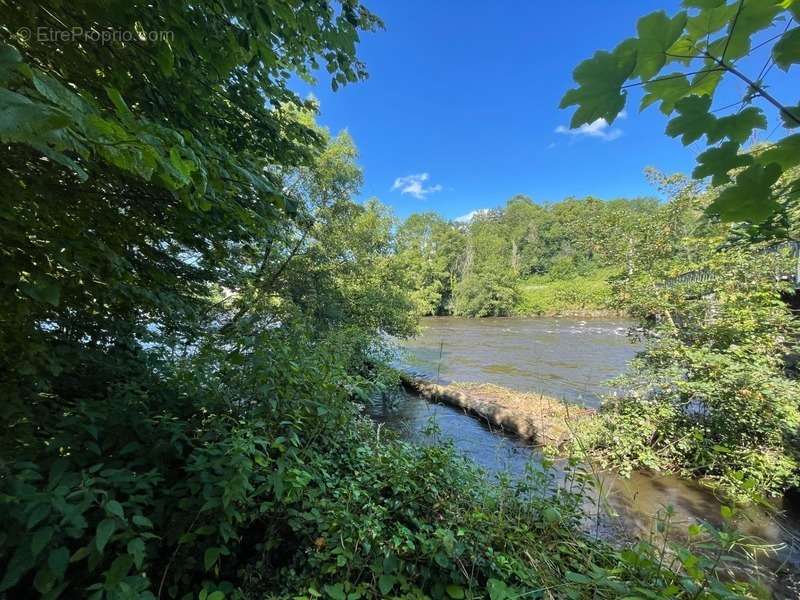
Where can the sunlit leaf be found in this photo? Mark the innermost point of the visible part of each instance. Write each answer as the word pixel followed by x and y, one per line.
pixel 667 90
pixel 599 95
pixel 750 197
pixel 718 161
pixel 785 153
pixel 657 33
pixel 693 120
pixel 738 126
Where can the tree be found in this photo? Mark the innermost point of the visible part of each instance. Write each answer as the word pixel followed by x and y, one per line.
pixel 429 249
pixel 133 193
pixel 707 42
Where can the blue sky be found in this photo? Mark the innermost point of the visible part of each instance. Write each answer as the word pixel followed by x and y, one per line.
pixel 462 102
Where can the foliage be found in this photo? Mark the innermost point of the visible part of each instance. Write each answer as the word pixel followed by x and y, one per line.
pixel 429 249
pixel 286 491
pixel 711 395
pixel 547 295
pixel 485 294
pixel 193 307
pixel 478 268
pixel 711 39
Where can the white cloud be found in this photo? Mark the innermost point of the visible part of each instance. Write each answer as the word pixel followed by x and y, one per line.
pixel 414 185
pixel 471 215
pixel 599 129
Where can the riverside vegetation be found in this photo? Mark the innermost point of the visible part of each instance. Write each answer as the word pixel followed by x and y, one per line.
pixel 193 308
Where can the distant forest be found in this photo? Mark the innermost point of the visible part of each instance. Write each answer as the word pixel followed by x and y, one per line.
pixel 532 258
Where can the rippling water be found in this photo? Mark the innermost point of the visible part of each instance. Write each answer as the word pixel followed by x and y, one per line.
pixel 565 358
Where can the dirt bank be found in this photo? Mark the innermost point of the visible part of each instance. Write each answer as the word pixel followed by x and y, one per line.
pixel 540 419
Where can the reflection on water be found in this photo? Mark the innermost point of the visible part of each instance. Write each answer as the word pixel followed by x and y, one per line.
pixel 564 358
pixel 545 354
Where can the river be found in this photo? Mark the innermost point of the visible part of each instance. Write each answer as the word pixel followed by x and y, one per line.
pixel 569 359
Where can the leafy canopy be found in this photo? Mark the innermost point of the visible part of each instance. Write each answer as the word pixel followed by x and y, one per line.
pixel 708 40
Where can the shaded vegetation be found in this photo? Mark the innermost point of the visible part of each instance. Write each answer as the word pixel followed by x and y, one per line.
pixel 193 307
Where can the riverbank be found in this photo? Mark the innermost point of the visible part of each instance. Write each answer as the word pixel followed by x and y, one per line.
pixel 583 296
pixel 536 418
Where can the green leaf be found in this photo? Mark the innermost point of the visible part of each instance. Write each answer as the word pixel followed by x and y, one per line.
pixel 705 83
pixel 42 289
pixel 20 563
pixel 44 580
pixel 335 591
pixel 118 570
pixel 693 121
pixel 9 59
pixel 577 577
pixel 80 554
pixel 40 539
pixel 792 119
pixel 787 51
pixel 718 161
pixel 115 508
pixel 455 591
pixel 58 94
pixel 600 79
pixel 105 530
pixel 142 521
pixel 702 3
pixel 386 583
pixel 786 152
pixel 210 557
pixel 710 20
pixel 753 17
pixel 657 33
pixel 738 127
pixel 123 112
pixel 165 59
pixel 551 515
pixel 668 90
pixel 22 120
pixel 37 515
pixel 136 549
pixel 750 197
pixel 58 560
pixel 726 512
pixel 498 590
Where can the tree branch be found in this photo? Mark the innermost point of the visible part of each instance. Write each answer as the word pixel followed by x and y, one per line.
pixel 760 91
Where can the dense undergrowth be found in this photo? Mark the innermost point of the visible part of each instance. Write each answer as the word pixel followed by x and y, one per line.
pixel 581 295
pixel 192 307
pixel 249 471
pixel 713 395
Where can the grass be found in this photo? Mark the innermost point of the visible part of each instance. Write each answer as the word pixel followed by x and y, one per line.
pixel 580 295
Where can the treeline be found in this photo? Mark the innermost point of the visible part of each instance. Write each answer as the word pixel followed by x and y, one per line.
pixel 193 314
pixel 495 264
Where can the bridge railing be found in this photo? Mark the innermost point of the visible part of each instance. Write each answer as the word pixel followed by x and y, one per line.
pixel 705 275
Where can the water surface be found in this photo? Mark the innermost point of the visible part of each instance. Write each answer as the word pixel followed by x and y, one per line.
pixel 565 358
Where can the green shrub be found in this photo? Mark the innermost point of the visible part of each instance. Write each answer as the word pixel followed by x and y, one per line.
pixel 711 395
pixel 544 295
pixel 485 294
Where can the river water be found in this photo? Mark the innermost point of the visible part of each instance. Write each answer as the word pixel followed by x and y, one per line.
pixel 568 359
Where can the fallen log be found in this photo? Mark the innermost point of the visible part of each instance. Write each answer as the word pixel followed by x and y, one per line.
pixel 536 418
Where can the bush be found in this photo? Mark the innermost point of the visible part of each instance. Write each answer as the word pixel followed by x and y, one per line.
pixel 249 472
pixel 711 396
pixel 545 295
pixel 485 295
